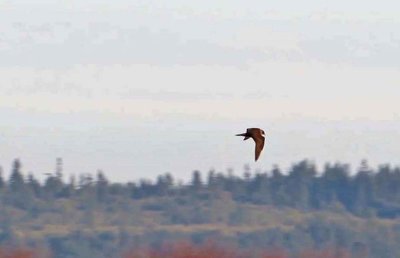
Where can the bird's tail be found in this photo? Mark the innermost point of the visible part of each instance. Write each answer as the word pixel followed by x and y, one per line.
pixel 245 136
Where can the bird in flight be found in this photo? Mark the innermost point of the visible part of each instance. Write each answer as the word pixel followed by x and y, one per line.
pixel 258 136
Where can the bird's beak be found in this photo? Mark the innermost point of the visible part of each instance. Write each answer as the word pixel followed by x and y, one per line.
pixel 242 134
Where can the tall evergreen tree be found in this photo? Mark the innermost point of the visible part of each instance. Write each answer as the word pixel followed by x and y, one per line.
pixel 196 180
pixel 101 186
pixel 16 181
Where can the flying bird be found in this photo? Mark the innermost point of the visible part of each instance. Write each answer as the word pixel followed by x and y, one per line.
pixel 258 136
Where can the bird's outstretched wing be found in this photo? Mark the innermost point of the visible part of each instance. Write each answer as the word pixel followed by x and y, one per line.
pixel 259 140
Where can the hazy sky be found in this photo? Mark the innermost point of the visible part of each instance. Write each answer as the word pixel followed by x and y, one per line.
pixel 139 88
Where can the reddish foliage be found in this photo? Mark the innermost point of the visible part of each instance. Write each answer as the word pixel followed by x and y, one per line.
pixel 207 250
pixel 274 256
pixel 187 250
pixel 17 254
pixel 210 250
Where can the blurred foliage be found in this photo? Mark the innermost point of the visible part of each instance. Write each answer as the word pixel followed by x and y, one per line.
pixel 297 210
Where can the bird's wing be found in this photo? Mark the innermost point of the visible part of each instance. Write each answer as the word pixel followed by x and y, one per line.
pixel 259 140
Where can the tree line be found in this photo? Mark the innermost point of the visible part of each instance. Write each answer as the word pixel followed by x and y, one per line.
pixel 369 192
pixel 295 210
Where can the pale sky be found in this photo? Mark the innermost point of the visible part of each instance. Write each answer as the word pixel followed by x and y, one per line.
pixel 139 88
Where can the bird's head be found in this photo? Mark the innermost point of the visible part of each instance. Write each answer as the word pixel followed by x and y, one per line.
pixel 262 132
